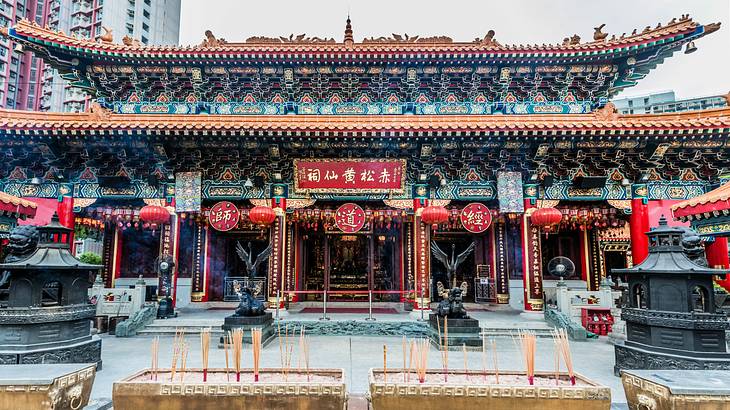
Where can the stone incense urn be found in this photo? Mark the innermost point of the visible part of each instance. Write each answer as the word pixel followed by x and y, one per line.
pixel 321 389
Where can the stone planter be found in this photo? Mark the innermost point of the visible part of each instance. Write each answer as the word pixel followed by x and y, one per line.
pixel 676 389
pixel 46 386
pixel 476 393
pixel 325 390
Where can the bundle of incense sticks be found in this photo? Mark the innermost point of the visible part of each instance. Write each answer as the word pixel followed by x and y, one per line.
pixel 204 349
pixel 226 341
pixel 484 356
pixel 385 364
pixel 237 342
pixel 444 347
pixel 528 341
pixel 422 348
pixel 411 355
pixel 155 357
pixel 185 349
pixel 300 356
pixel 256 347
pixel 496 364
pixel 306 356
pixel 466 368
pixel 405 371
pixel 563 346
pixel 178 343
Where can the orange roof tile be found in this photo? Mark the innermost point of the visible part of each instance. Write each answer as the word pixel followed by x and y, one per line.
pixel 13 120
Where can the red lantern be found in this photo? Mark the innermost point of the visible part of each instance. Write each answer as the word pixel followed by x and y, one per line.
pixel 434 215
pixel 546 217
pixel 154 215
pixel 262 215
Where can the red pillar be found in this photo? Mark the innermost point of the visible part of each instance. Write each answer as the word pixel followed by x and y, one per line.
pixel 639 224
pixel 65 211
pixel 716 252
pixel 421 255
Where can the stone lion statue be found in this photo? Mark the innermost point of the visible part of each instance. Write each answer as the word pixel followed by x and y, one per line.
pixel 22 242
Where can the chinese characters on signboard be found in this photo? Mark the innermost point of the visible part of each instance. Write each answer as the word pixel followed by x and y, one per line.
pixel 350 218
pixel 347 176
pixel 476 217
pixel 224 216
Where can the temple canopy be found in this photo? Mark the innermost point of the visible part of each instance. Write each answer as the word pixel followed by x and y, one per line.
pixel 16 207
pixel 712 203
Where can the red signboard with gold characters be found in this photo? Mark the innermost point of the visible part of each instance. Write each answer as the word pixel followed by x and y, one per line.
pixel 350 218
pixel 349 175
pixel 476 217
pixel 224 216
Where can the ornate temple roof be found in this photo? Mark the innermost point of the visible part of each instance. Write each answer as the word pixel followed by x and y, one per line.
pixel 17 207
pixel 394 44
pixel 606 119
pixel 713 203
pixel 300 74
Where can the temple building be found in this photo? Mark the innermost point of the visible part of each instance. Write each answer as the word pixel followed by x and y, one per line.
pixel 361 165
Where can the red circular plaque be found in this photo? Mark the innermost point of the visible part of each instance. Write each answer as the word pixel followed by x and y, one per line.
pixel 350 218
pixel 476 217
pixel 224 216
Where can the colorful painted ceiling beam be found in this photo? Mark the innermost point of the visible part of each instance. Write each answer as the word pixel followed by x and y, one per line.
pixel 16 207
pixel 606 121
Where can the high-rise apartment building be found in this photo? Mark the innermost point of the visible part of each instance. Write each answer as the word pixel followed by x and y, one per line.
pixel 27 83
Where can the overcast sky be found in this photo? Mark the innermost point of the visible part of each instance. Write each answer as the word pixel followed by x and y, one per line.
pixel 705 72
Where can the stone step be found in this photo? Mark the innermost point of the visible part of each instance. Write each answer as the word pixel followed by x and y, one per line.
pixel 509 331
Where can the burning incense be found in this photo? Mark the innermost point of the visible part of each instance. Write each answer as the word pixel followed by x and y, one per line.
pixel 403 342
pixel 177 347
pixel 226 338
pixel 445 352
pixel 237 339
pixel 411 354
pixel 466 368
pixel 528 341
pixel 301 348
pixel 385 364
pixel 484 356
pixel 563 346
pixel 184 350
pixel 496 365
pixel 204 349
pixel 422 348
pixel 256 344
pixel 306 355
pixel 155 357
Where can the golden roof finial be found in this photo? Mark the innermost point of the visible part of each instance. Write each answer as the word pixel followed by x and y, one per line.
pixel 349 41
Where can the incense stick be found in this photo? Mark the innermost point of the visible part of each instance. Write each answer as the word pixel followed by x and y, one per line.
pixel 496 365
pixel 466 368
pixel 446 351
pixel 564 348
pixel 226 338
pixel 256 347
pixel 237 339
pixel 155 357
pixel 527 341
pixel 204 349
pixel 403 342
pixel 385 364
pixel 185 350
pixel 484 356
pixel 306 355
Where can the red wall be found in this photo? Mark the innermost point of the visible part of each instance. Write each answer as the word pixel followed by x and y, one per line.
pixel 46 208
pixel 657 208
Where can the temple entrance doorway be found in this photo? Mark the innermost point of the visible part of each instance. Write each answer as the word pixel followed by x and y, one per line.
pixel 348 265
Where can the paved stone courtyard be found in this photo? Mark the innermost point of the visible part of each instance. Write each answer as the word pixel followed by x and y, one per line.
pixel 356 354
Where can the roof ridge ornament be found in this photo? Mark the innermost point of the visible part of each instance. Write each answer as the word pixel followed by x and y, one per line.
pixel 598 34
pixel 107 37
pixel 211 41
pixel 97 112
pixel 606 113
pixel 349 40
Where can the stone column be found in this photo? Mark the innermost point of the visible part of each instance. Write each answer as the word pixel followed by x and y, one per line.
pixel 639 223
pixel 531 260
